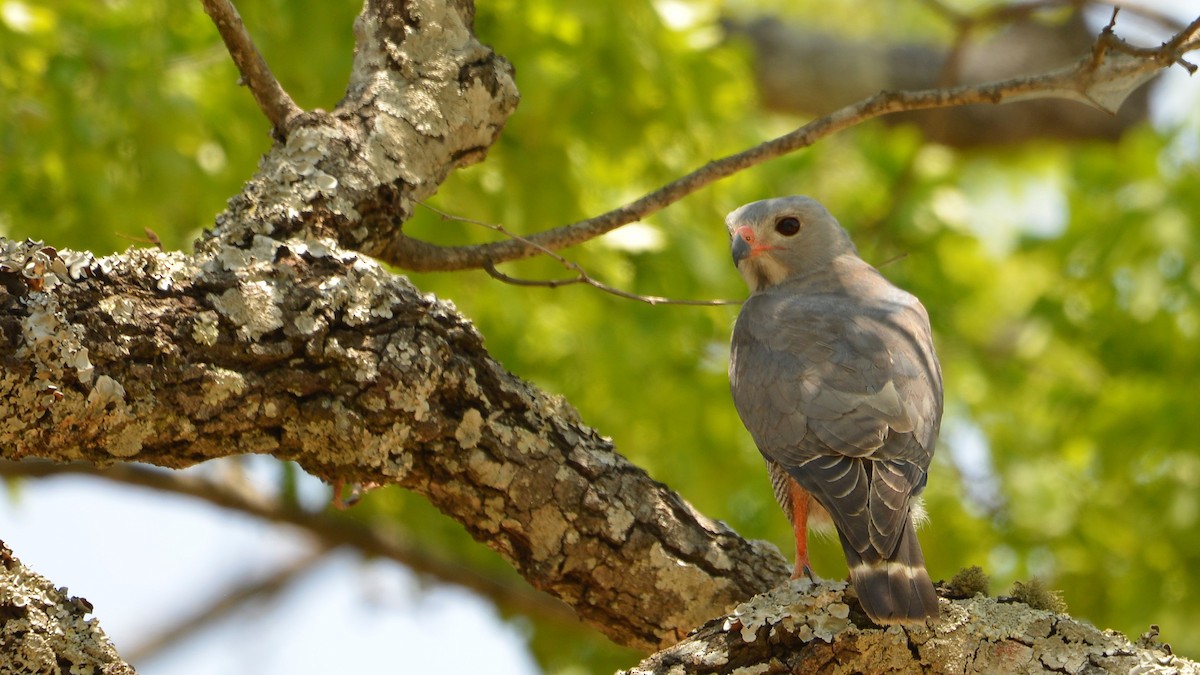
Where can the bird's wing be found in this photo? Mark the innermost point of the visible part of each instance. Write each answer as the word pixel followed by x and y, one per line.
pixel 846 397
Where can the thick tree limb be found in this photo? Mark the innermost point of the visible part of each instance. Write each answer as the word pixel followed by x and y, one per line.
pixel 44 630
pixel 303 351
pixel 274 102
pixel 807 628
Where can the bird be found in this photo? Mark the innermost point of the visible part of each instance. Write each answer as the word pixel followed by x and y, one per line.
pixel 834 374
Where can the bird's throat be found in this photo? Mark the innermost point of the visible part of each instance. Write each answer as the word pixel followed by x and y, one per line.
pixel 762 271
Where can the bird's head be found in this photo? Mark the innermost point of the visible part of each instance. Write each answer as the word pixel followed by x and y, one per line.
pixel 776 239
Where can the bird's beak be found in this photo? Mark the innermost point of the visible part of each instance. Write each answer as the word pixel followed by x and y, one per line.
pixel 743 244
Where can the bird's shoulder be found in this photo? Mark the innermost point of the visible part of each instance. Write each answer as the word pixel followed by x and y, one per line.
pixel 849 362
pixel 852 303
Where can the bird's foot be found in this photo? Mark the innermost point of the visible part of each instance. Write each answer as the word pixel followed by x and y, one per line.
pixel 341 501
pixel 803 570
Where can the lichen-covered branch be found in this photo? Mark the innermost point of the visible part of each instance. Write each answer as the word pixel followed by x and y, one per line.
pixel 425 97
pixel 45 630
pixel 811 628
pixel 301 350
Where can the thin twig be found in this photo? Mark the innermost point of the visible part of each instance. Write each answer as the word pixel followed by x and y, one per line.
pixel 581 275
pixel 896 258
pixel 223 603
pixel 1170 52
pixel 150 238
pixel 274 102
pixel 422 256
pixel 329 527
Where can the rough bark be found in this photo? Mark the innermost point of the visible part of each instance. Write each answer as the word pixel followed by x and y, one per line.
pixel 297 349
pixel 44 630
pixel 815 628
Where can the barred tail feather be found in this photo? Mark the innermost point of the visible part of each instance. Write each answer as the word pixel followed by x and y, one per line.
pixel 896 590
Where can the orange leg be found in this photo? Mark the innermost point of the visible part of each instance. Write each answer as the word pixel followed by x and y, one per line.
pixel 799 497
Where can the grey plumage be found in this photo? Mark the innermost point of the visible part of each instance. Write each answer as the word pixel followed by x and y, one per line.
pixel 833 373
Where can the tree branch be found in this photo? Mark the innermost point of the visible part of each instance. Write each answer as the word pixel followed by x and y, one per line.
pixel 331 528
pixel 809 628
pixel 44 630
pixel 274 102
pixel 300 350
pixel 1102 82
pixel 581 275
pixel 223 602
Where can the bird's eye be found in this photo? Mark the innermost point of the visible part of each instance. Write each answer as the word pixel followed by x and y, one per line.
pixel 787 226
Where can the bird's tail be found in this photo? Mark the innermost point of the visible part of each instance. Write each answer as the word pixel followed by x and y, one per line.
pixel 897 589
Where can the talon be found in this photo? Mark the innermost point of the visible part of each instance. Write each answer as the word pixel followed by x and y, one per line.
pixel 357 490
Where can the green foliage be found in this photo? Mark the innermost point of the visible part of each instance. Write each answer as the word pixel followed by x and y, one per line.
pixel 1037 595
pixel 1062 282
pixel 967 583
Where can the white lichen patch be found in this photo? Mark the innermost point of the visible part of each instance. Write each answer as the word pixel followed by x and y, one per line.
pixel 105 391
pixel 127 442
pixel 120 308
pixel 487 472
pixel 206 328
pixel 53 345
pixel 697 653
pixel 718 558
pixel 546 529
pixel 1001 621
pixel 413 399
pixel 556 405
pixel 318 248
pixel 82 365
pixel 168 269
pixel 678 576
pixel 807 610
pixel 470 429
pixel 221 384
pixel 252 306
pixel 529 443
pixel 397 462
pixel 618 520
pixel 372 449
pixel 365 365
pixel 307 324
pixel 300 170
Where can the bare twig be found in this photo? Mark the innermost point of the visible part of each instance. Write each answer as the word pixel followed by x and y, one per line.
pixel 274 102
pixel 1008 13
pixel 1172 49
pixel 329 528
pixel 150 238
pixel 1071 83
pixel 223 604
pixel 581 275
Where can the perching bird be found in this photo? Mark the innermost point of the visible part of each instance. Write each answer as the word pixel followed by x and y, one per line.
pixel 833 373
